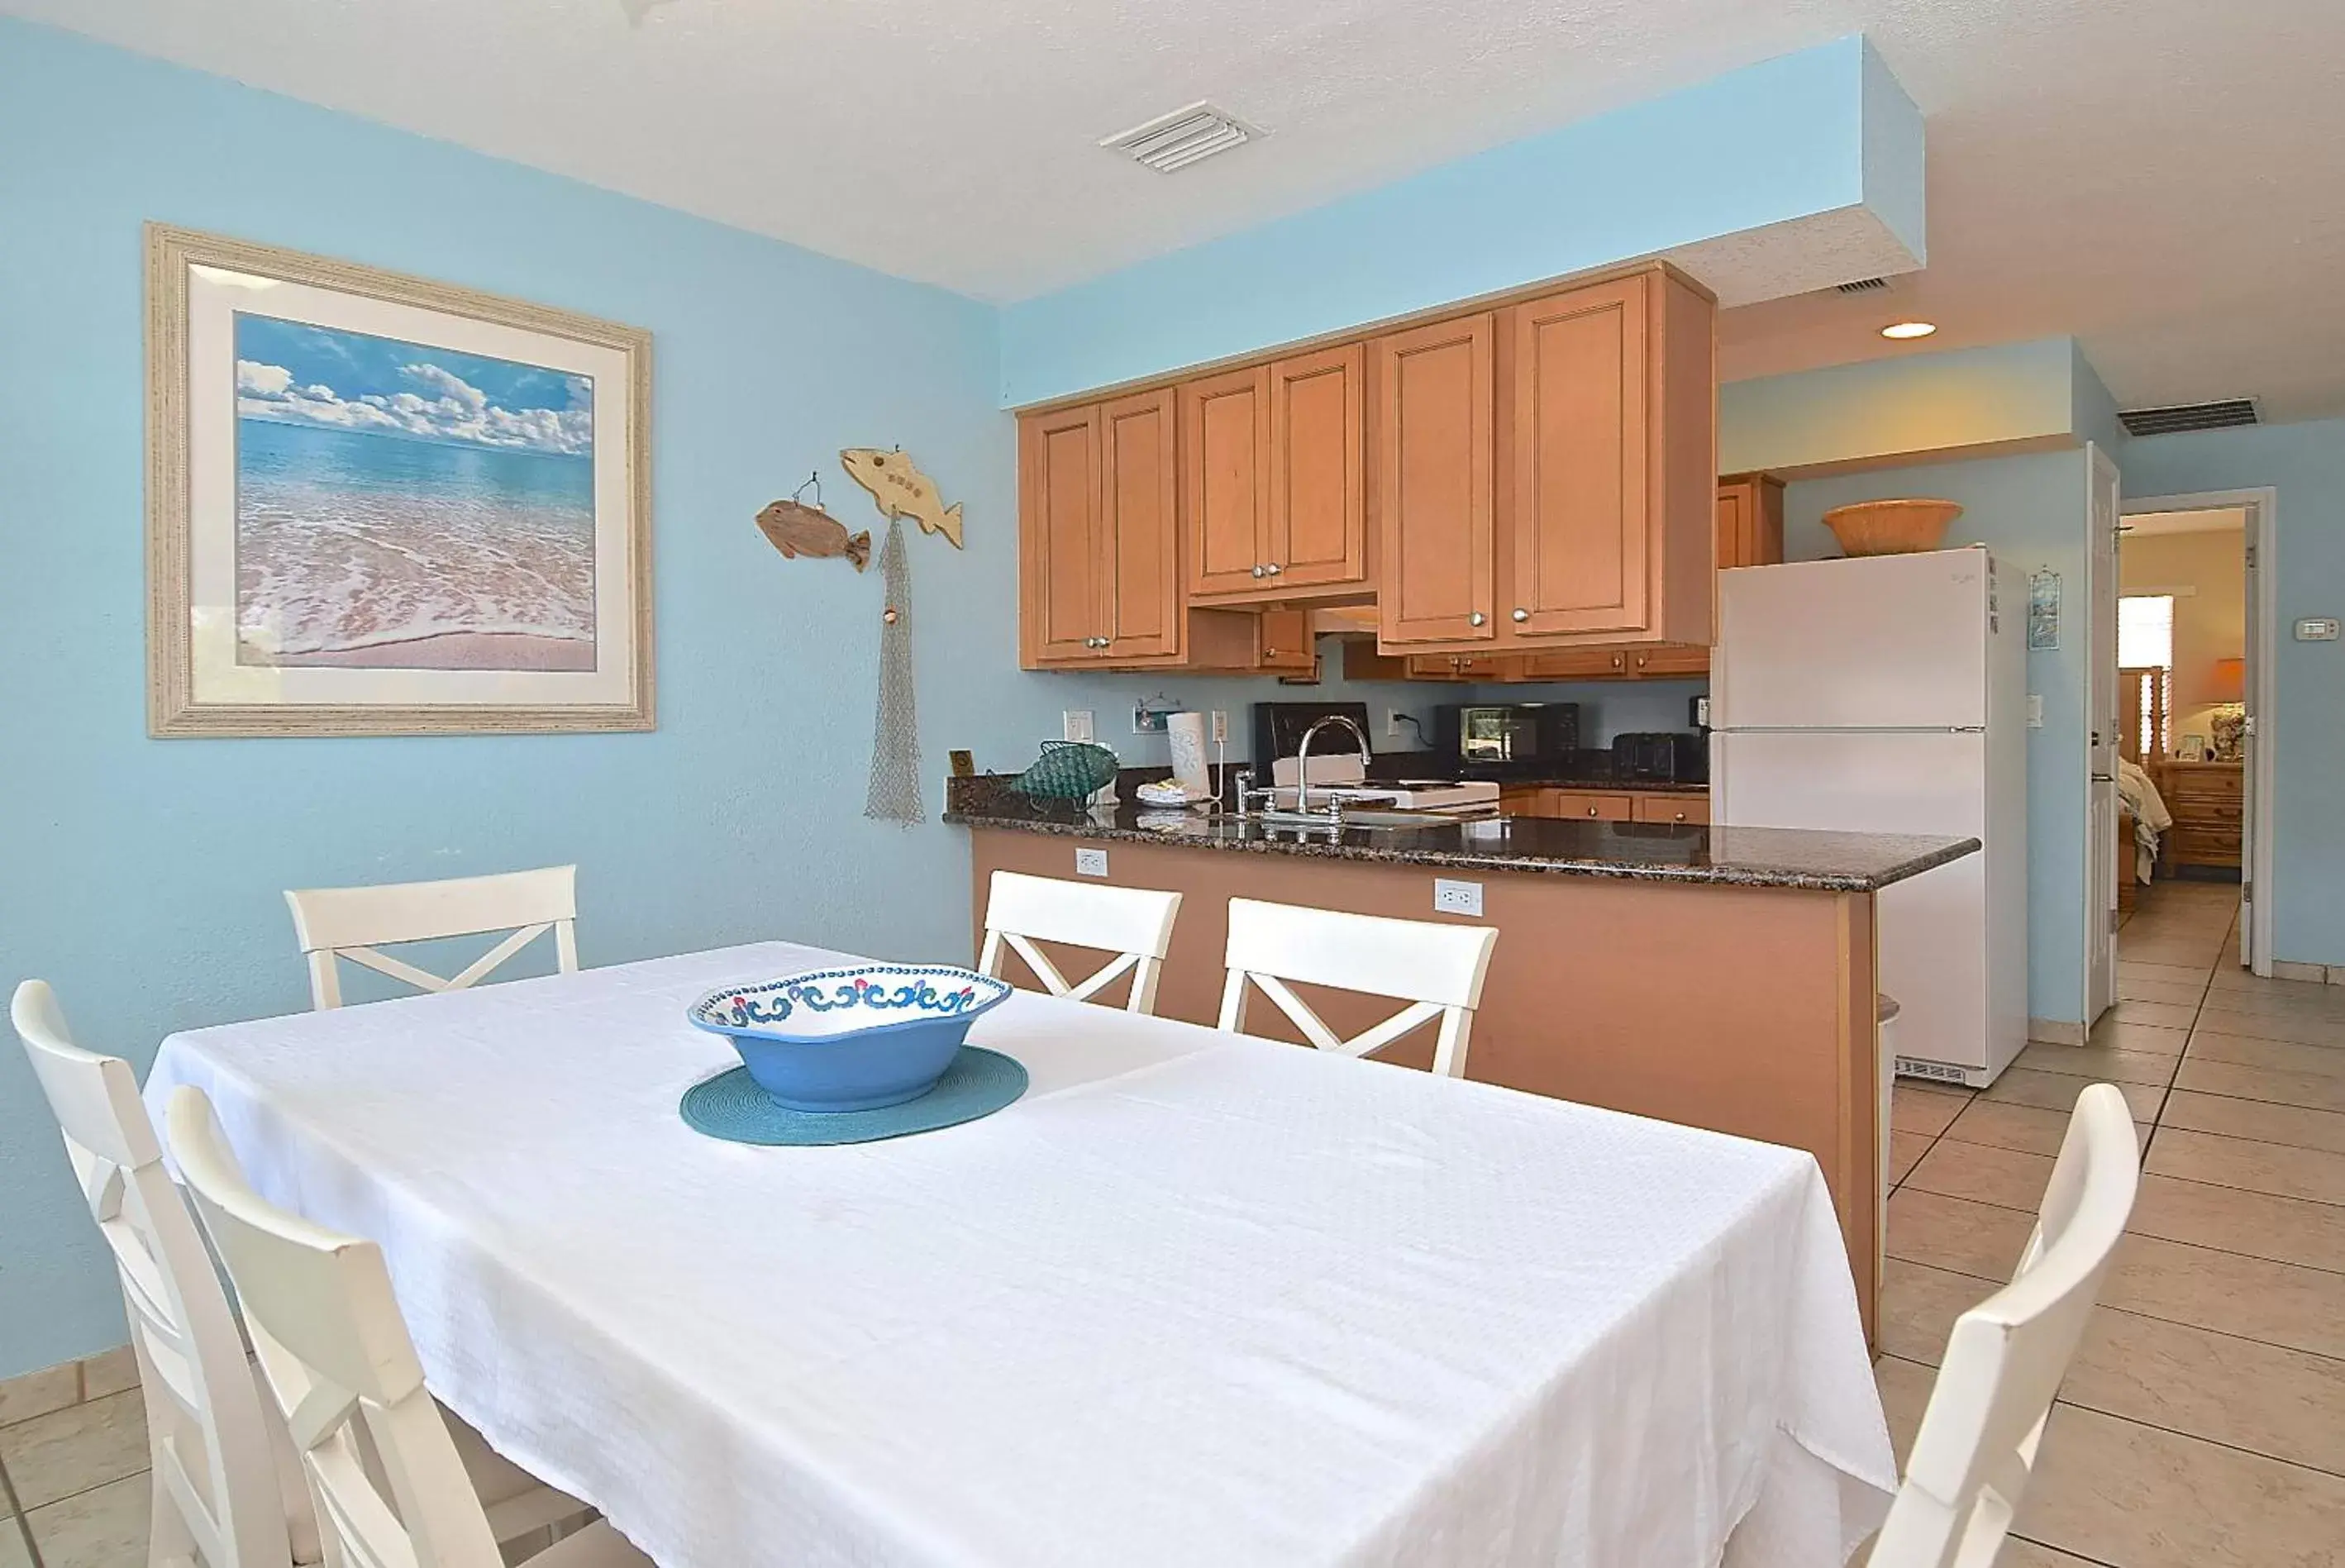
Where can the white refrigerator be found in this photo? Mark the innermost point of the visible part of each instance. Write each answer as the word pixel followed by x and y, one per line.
pixel 1887 694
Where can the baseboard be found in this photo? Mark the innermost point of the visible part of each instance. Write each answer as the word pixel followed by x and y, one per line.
pixel 2057 1031
pixel 66 1384
pixel 2318 973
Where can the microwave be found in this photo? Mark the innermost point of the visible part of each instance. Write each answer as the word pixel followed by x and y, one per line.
pixel 1507 740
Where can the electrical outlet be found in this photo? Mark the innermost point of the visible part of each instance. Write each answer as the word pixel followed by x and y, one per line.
pixel 1393 717
pixel 1456 898
pixel 1075 723
pixel 2317 629
pixel 1219 725
pixel 2035 710
pixel 1094 863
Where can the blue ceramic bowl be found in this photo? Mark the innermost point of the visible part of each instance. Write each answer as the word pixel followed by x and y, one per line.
pixel 849 1039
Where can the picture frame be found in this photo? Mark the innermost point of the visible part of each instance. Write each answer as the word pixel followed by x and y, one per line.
pixel 382 505
pixel 2193 748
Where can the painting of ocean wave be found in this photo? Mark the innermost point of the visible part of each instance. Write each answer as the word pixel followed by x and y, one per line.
pixel 404 506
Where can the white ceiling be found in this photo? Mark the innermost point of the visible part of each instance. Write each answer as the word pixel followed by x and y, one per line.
pixel 2158 177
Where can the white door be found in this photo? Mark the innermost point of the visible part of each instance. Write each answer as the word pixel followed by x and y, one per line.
pixel 1884 641
pixel 2101 860
pixel 2251 747
pixel 1932 930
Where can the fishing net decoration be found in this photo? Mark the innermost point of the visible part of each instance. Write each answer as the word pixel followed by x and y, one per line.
pixel 895 792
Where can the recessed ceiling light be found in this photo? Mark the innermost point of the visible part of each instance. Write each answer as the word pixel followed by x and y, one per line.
pixel 1909 329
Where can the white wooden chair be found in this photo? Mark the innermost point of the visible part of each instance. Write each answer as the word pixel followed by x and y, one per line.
pixel 217 1498
pixel 336 1357
pixel 1438 970
pixel 1977 1446
pixel 351 922
pixel 1134 923
pixel 228 1492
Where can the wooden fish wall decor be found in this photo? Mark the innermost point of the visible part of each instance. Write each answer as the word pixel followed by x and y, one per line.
pixel 796 529
pixel 902 490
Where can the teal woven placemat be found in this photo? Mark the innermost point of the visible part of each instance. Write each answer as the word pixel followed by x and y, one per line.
pixel 731 1107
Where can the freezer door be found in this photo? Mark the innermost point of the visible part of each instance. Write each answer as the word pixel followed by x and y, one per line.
pixel 1930 930
pixel 1886 642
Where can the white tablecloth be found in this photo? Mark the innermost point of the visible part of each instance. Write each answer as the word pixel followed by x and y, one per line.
pixel 1192 1300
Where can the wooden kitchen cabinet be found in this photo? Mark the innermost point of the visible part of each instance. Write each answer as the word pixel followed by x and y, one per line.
pixel 1594 805
pixel 1435 522
pixel 1063 611
pixel 1459 667
pixel 1749 521
pixel 1673 808
pixel 1284 641
pixel 1225 480
pixel 1100 546
pixel 1273 478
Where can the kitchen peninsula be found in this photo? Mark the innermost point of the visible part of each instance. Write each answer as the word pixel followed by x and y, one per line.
pixel 1719 977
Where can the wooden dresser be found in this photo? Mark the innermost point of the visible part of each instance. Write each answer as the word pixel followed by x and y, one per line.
pixel 2209 808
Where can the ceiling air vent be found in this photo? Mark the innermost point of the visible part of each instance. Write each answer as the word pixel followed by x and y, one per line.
pixel 2215 415
pixel 1863 286
pixel 1183 137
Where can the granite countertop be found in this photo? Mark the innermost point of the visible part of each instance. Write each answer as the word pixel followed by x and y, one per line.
pixel 1739 857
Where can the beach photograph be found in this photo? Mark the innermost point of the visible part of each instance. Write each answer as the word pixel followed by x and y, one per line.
pixel 404 506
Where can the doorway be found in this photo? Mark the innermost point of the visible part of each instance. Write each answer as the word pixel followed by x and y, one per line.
pixel 2193 742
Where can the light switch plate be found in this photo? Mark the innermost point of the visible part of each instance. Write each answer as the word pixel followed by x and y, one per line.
pixel 1451 897
pixel 1090 862
pixel 2035 710
pixel 1075 723
pixel 2317 629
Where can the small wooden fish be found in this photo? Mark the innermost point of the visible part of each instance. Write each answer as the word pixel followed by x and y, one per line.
pixel 796 529
pixel 902 491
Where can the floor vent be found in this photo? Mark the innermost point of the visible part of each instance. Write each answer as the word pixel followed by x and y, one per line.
pixel 2220 414
pixel 1183 137
pixel 1914 1068
pixel 1863 286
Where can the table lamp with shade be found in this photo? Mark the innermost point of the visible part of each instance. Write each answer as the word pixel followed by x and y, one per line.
pixel 2226 719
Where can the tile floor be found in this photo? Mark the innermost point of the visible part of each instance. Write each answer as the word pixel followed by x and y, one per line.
pixel 2203 1423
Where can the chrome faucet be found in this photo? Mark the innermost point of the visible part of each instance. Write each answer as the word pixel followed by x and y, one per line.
pixel 1302 758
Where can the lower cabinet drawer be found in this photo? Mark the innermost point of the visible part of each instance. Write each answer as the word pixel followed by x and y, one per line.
pixel 1693 809
pixel 1589 806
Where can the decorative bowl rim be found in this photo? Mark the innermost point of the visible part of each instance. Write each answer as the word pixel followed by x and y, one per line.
pixel 699 1017
pixel 1888 502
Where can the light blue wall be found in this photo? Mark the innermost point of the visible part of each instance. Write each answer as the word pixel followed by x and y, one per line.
pixel 1808 133
pixel 2306 463
pixel 143 876
pixel 2030 511
pixel 1908 406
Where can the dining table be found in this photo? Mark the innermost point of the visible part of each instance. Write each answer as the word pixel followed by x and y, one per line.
pixel 1193 1298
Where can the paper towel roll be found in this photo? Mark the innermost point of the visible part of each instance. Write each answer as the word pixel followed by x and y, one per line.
pixel 1187 733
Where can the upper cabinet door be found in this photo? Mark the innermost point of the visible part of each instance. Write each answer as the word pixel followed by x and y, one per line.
pixel 1140 527
pixel 1318 514
pixel 1062 612
pixel 1581 525
pixel 1226 443
pixel 1433 482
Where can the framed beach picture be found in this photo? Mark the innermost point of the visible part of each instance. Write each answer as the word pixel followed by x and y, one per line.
pixel 382 505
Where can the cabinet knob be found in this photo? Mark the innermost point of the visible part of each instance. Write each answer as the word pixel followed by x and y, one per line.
pixel 1619 661
pixel 1476 618
pixel 1521 614
pixel 1273 570
pixel 1640 661
pixel 1257 569
pixel 1678 818
pixel 1591 810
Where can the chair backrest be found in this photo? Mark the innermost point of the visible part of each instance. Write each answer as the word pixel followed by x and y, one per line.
pixel 2006 1356
pixel 336 1355
pixel 1436 969
pixel 1133 923
pixel 203 1420
pixel 351 922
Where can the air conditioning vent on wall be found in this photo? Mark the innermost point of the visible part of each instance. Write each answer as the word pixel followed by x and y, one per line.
pixel 1863 286
pixel 1183 137
pixel 2215 415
